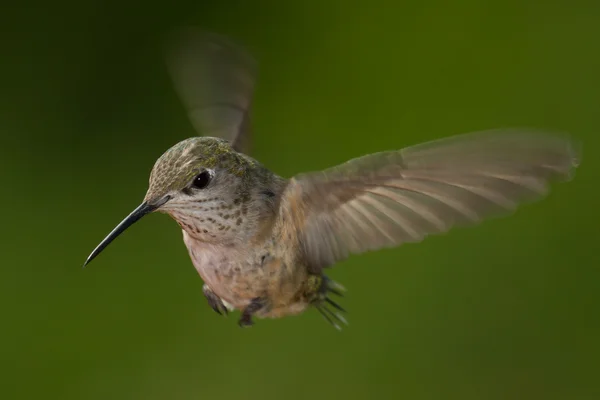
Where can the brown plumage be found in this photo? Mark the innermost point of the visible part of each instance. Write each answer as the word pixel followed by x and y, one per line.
pixel 260 242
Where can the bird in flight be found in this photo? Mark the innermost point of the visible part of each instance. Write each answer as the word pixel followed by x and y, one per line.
pixel 261 243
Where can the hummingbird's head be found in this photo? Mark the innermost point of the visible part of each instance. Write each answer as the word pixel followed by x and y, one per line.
pixel 216 194
pixel 212 190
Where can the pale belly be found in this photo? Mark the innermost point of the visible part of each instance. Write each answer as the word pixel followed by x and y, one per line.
pixel 237 280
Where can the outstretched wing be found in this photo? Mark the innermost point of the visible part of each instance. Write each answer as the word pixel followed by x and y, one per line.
pixel 215 79
pixel 389 198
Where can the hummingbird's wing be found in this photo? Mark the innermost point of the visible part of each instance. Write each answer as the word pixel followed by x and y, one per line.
pixel 215 79
pixel 385 199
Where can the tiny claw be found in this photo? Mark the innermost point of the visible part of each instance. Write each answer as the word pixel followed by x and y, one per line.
pixel 255 305
pixel 219 308
pixel 224 309
pixel 215 302
pixel 245 322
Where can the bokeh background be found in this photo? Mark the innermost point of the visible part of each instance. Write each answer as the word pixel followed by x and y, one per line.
pixel 507 310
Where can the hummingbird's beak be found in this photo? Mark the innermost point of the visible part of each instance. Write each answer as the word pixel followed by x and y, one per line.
pixel 139 212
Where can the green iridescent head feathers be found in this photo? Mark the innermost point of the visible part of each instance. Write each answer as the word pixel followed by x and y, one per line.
pixel 181 163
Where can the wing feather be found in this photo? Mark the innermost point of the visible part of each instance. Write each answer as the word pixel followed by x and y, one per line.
pixel 215 80
pixel 389 198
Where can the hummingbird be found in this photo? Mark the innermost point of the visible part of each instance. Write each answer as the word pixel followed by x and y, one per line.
pixel 261 243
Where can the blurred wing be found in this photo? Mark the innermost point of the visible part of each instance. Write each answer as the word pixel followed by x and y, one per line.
pixel 215 80
pixel 385 199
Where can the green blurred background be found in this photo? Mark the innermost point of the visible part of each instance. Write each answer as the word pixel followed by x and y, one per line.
pixel 507 310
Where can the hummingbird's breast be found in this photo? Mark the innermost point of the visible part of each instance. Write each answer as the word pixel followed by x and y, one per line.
pixel 240 274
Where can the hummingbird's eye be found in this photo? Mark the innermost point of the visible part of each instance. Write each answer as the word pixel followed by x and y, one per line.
pixel 202 180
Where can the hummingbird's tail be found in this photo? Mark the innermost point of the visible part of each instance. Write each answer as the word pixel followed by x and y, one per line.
pixel 323 303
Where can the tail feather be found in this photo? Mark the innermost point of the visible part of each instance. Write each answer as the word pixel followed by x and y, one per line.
pixel 324 303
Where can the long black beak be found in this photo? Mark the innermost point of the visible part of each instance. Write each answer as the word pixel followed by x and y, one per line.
pixel 139 212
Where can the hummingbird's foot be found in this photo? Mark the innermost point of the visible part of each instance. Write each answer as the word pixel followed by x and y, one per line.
pixel 332 316
pixel 214 301
pixel 255 305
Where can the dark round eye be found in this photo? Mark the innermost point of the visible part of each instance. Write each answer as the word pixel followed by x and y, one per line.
pixel 202 180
